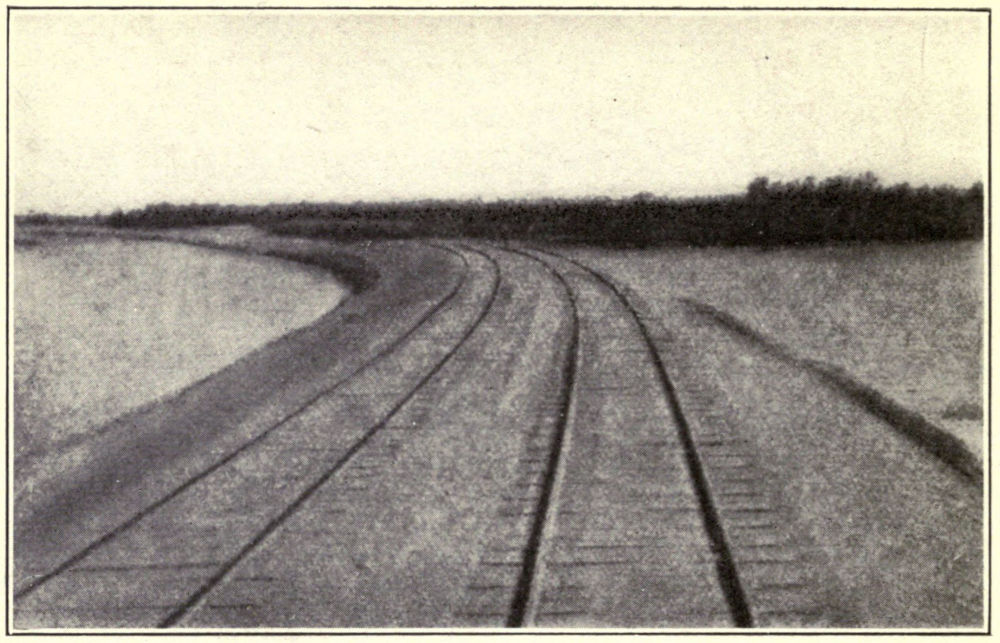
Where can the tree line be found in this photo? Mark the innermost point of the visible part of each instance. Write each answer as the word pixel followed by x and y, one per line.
pixel 841 208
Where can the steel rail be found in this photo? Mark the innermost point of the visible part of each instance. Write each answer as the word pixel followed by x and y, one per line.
pixel 224 570
pixel 524 604
pixel 204 473
pixel 729 579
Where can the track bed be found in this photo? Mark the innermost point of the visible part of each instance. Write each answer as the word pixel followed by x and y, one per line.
pixel 516 442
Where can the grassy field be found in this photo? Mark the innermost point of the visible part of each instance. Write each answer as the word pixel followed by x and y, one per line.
pixel 104 325
pixel 906 319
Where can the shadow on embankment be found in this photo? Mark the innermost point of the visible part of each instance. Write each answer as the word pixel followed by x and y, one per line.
pixel 909 423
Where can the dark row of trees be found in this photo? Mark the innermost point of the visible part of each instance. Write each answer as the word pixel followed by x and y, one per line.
pixel 768 213
pixel 44 218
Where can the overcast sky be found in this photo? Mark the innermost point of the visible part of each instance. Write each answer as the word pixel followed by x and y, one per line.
pixel 122 108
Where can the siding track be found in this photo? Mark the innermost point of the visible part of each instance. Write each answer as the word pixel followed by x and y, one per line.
pixel 88 564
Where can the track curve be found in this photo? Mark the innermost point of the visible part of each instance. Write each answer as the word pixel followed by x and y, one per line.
pixel 532 444
pixel 144 535
pixel 178 613
pixel 773 481
pixel 73 559
pixel 389 540
pixel 625 557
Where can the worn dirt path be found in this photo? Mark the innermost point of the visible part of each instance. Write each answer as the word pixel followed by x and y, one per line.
pixel 489 436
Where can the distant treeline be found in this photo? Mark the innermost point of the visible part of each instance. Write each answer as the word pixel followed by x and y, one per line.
pixel 43 218
pixel 835 209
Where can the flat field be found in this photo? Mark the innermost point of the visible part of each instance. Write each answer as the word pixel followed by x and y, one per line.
pixel 104 325
pixel 903 318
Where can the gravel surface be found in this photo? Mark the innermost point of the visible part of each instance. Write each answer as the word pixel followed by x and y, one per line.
pixel 892 537
pixel 905 319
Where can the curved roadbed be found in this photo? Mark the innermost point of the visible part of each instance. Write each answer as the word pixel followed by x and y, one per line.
pixel 140 456
pixel 489 436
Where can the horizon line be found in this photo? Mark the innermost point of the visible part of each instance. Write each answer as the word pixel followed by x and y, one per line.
pixel 644 194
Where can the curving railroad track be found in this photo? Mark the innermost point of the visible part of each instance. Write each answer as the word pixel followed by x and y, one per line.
pixel 530 444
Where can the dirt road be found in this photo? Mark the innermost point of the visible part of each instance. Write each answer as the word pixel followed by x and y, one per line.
pixel 489 436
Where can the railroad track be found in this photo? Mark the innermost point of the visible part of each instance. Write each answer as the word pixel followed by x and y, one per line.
pixel 773 568
pixel 525 604
pixel 728 575
pixel 396 552
pixel 535 451
pixel 563 577
pixel 119 564
pixel 40 579
pixel 138 458
pixel 707 498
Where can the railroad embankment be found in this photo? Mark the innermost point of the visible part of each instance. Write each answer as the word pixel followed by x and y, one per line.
pixel 503 436
pixel 104 481
pixel 105 325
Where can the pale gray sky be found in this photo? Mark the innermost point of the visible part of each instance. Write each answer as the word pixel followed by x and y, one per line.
pixel 121 108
